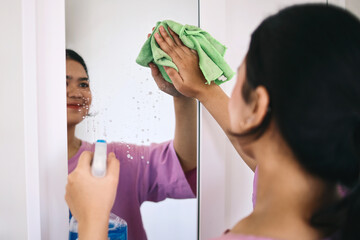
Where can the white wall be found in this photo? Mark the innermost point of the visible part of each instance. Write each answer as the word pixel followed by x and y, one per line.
pixel 351 5
pixel 33 128
pixel 225 181
pixel 126 101
pixel 13 223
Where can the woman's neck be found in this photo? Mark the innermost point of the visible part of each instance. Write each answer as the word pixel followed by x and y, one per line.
pixel 73 142
pixel 287 195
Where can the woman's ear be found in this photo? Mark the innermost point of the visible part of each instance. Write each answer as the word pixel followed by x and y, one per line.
pixel 260 106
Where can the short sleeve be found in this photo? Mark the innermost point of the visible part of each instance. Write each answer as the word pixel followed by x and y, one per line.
pixel 255 187
pixel 162 176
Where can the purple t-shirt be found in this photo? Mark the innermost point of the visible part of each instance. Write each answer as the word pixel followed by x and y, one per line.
pixel 147 173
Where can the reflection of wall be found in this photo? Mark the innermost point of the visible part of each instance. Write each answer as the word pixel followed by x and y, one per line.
pixel 109 35
pixel 225 181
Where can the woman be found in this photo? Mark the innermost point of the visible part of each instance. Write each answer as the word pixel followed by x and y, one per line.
pixel 294 115
pixel 151 173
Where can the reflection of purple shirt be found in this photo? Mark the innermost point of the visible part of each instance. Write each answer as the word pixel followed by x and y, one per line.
pixel 147 173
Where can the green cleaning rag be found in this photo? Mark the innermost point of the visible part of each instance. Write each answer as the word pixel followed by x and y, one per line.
pixel 210 52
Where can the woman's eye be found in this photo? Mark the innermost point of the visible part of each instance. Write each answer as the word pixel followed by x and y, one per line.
pixel 84 85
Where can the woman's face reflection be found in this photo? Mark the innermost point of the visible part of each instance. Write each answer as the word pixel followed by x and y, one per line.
pixel 78 94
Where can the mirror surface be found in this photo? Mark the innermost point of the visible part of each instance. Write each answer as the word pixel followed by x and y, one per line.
pixel 127 105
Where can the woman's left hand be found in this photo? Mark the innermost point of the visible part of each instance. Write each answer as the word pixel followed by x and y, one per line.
pixel 162 84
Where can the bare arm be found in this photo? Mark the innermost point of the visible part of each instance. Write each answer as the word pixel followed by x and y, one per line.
pixel 185 122
pixel 216 102
pixel 185 132
pixel 190 82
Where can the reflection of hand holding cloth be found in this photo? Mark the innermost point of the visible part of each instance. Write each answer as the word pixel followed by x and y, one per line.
pixel 210 51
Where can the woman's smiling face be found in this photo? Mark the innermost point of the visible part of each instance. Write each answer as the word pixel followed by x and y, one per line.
pixel 78 94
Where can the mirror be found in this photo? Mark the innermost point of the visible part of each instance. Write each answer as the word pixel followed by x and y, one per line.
pixel 127 106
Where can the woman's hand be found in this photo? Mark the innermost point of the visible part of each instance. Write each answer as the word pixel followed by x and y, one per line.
pixel 90 199
pixel 189 81
pixel 162 84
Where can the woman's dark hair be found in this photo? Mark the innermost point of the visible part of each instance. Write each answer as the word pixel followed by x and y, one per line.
pixel 308 59
pixel 71 54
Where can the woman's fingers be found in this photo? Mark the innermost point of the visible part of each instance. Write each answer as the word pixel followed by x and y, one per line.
pixel 166 37
pixel 85 160
pixel 175 77
pixel 175 37
pixel 170 50
pixel 113 167
pixel 155 72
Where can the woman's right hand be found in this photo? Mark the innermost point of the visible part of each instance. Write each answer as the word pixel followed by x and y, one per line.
pixel 189 81
pixel 90 198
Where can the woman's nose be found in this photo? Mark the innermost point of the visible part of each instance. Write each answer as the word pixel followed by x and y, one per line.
pixel 73 92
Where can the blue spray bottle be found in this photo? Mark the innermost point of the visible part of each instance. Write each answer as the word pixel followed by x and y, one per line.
pixel 117 226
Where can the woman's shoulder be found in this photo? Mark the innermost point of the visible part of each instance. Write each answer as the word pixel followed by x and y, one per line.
pixel 232 236
pixel 133 147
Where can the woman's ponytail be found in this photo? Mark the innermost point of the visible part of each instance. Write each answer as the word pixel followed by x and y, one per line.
pixel 351 227
pixel 341 220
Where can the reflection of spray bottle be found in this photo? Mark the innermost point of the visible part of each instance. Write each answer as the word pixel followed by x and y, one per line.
pixel 117 226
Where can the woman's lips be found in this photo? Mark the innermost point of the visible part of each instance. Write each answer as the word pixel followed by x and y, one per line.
pixel 74 106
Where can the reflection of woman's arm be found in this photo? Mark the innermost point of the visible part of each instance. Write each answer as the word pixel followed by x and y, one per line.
pixel 185 131
pixel 185 122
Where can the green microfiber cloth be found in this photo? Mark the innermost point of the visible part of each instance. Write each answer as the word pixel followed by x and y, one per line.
pixel 210 51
